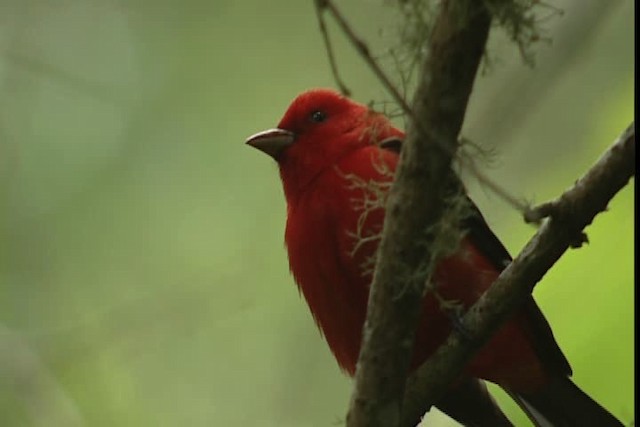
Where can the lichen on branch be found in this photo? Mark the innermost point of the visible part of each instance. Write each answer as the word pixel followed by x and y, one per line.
pixel 407 247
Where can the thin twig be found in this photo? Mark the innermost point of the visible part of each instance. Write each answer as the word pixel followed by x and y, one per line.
pixel 497 189
pixel 362 48
pixel 540 212
pixel 320 4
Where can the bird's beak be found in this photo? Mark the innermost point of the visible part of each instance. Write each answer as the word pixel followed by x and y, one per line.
pixel 272 141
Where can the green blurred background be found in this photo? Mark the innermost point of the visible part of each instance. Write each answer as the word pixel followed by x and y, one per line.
pixel 143 276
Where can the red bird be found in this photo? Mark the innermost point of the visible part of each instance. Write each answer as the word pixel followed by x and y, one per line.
pixel 336 159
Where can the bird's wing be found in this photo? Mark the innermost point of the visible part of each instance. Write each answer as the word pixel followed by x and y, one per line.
pixel 481 235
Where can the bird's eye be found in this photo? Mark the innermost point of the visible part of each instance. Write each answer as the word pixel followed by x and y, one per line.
pixel 318 117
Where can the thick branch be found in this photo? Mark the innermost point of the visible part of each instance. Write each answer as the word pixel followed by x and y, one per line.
pixel 569 215
pixel 414 209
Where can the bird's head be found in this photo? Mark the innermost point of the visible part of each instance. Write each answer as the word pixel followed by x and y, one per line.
pixel 317 130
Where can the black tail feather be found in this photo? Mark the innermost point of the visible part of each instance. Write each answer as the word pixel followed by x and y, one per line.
pixel 562 404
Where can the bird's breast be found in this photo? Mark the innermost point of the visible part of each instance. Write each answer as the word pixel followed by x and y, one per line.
pixel 329 260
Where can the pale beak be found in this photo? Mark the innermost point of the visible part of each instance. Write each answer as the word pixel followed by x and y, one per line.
pixel 272 141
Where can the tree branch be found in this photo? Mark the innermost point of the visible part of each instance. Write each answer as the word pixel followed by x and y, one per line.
pixel 406 251
pixel 568 216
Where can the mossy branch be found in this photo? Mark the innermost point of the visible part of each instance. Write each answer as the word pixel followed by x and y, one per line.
pixel 568 216
pixel 455 49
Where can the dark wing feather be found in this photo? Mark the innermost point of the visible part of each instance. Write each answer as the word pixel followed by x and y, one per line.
pixel 539 330
pixel 485 240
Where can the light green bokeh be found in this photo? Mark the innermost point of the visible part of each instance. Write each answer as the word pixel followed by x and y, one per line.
pixel 144 279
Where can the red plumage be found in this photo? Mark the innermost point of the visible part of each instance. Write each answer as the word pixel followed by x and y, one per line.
pixel 335 173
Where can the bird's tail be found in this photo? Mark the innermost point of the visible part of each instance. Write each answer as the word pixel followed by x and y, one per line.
pixel 468 402
pixel 562 404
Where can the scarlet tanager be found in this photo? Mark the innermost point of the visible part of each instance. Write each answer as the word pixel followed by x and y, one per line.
pixel 330 151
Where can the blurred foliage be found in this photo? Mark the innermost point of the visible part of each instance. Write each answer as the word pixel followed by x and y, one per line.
pixel 143 277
